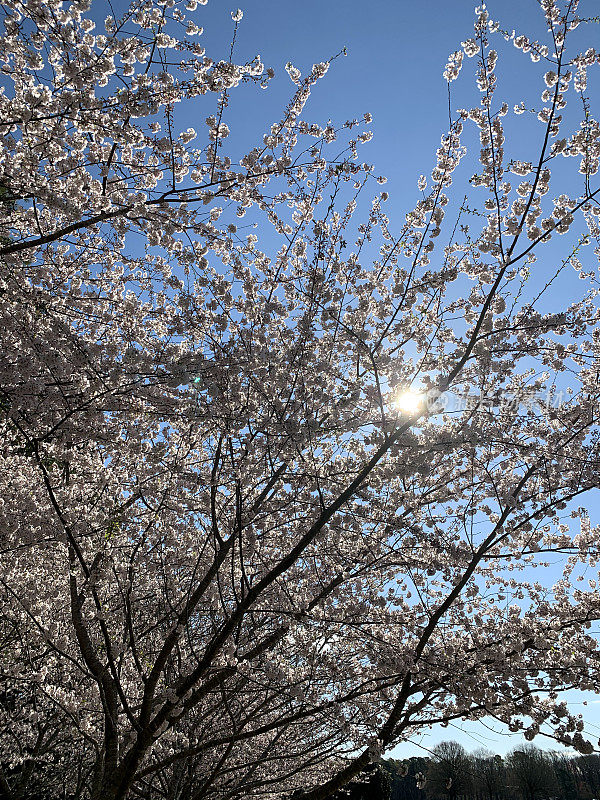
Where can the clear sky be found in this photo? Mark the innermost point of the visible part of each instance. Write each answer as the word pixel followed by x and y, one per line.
pixel 396 53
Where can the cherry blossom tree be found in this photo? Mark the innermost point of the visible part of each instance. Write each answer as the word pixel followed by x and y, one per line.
pixel 282 479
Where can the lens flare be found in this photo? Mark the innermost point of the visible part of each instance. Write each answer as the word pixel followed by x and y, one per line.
pixel 409 402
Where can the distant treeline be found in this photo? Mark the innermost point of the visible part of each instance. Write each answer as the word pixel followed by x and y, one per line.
pixel 450 773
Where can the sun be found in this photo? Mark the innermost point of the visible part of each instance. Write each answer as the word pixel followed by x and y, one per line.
pixel 409 401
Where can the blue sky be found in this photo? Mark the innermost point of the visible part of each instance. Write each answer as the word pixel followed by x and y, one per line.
pixel 396 52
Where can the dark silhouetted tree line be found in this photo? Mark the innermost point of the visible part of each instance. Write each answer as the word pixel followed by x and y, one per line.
pixel 451 773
